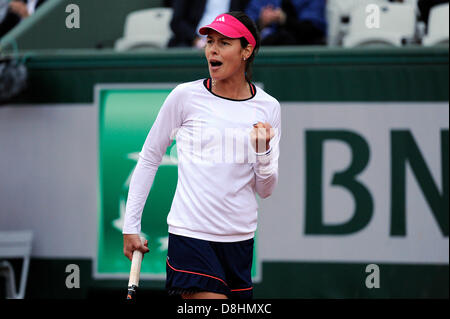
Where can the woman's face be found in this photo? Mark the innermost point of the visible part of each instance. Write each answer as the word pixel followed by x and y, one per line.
pixel 224 55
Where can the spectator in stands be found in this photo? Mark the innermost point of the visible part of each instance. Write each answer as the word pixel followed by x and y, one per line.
pixel 17 11
pixel 289 22
pixel 188 16
pixel 425 7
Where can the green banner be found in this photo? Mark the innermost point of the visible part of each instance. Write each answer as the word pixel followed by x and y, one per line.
pixel 126 115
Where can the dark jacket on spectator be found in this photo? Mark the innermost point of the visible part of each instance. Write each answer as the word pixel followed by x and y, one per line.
pixel 186 17
pixel 425 7
pixel 11 19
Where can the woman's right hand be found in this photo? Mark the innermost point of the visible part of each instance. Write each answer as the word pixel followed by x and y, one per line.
pixel 268 16
pixel 132 242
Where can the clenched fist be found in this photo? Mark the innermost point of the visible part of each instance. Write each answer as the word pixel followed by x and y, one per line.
pixel 261 135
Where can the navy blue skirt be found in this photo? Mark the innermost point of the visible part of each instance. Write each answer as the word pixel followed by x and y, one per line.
pixel 195 265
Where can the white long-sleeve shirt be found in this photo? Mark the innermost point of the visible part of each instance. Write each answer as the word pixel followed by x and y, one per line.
pixel 219 173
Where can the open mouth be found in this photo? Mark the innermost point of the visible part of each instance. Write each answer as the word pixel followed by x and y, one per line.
pixel 215 63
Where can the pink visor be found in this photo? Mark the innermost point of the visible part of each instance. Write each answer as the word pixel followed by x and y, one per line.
pixel 230 27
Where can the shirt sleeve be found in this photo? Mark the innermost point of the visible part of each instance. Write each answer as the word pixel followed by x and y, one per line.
pixel 314 11
pixel 266 165
pixel 253 9
pixel 161 136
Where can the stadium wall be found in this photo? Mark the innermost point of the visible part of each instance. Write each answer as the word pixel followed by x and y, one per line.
pixel 102 24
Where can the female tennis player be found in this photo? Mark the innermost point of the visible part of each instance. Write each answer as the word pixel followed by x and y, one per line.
pixel 213 217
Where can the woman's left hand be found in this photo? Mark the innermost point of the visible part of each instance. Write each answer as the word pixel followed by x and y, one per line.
pixel 261 135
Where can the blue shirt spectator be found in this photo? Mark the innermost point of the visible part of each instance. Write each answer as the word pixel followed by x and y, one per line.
pixel 289 21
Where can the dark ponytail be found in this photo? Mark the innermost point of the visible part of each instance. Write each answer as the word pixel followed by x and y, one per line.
pixel 251 26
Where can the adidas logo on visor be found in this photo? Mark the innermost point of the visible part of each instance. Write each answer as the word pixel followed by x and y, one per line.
pixel 222 19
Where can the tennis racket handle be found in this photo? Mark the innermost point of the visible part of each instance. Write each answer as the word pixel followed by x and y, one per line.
pixel 136 267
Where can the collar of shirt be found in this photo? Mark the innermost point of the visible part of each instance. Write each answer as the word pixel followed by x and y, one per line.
pixel 31 6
